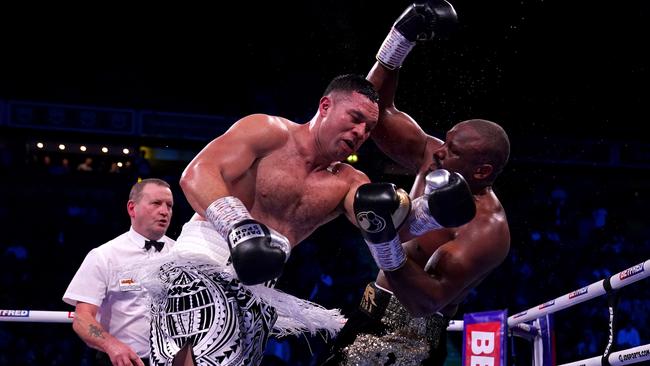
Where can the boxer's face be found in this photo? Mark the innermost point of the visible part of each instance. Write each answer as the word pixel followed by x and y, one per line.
pixel 152 213
pixel 458 154
pixel 348 120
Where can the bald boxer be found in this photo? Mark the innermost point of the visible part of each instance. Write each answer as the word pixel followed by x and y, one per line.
pixel 403 315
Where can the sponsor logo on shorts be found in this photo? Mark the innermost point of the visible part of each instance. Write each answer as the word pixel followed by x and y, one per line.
pixel 579 292
pixel 15 313
pixel 631 271
pixel 192 288
pixel 368 300
pixel 547 304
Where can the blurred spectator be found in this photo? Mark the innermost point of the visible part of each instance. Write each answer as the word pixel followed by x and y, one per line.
pixel 142 166
pixel 60 169
pixel 628 335
pixel 86 166
pixel 587 346
pixel 114 168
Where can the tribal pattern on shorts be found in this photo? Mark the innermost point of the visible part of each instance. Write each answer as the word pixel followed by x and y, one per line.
pixel 211 311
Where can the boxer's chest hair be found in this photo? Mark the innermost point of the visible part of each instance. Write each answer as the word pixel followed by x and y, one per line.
pixel 285 188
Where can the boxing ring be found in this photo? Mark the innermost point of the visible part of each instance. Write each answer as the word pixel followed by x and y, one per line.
pixel 520 324
pixel 524 324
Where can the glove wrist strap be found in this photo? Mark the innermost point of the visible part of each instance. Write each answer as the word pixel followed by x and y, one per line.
pixel 281 242
pixel 225 212
pixel 394 49
pixel 421 220
pixel 389 256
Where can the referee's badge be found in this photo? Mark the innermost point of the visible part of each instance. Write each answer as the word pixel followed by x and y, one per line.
pixel 129 284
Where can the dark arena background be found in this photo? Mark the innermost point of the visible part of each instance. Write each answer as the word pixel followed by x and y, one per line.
pixel 568 80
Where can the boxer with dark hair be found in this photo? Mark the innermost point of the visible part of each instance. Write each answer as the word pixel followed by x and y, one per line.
pixel 259 190
pixel 403 315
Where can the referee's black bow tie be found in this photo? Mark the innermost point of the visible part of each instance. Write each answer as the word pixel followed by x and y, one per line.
pixel 156 244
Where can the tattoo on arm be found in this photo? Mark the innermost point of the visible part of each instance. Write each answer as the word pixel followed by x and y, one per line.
pixel 95 331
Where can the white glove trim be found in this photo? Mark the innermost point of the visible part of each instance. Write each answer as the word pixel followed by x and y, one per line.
pixel 389 256
pixel 394 49
pixel 225 212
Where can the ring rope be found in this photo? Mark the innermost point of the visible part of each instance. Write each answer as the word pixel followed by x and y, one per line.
pixel 596 289
pixel 624 357
pixel 36 316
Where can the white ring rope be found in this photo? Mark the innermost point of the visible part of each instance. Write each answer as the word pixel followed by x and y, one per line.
pixel 625 357
pixel 39 316
pixel 455 326
pixel 36 316
pixel 517 323
pixel 617 281
pixel 526 330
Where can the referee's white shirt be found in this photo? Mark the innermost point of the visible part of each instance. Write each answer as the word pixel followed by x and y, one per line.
pixel 102 281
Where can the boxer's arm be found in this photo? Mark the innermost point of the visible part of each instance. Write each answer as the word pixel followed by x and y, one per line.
pixel 457 265
pixel 258 252
pixel 380 210
pixel 348 202
pixel 228 157
pixel 447 202
pixel 95 336
pixel 397 134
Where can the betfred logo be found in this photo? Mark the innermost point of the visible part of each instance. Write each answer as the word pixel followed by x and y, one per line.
pixel 547 304
pixel 483 344
pixel 520 314
pixel 631 271
pixel 577 293
pixel 15 313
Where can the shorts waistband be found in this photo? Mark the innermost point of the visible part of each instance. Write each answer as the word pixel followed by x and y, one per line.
pixel 382 306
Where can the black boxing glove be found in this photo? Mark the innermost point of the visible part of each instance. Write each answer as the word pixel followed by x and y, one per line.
pixel 258 253
pixel 380 210
pixel 447 202
pixel 421 21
